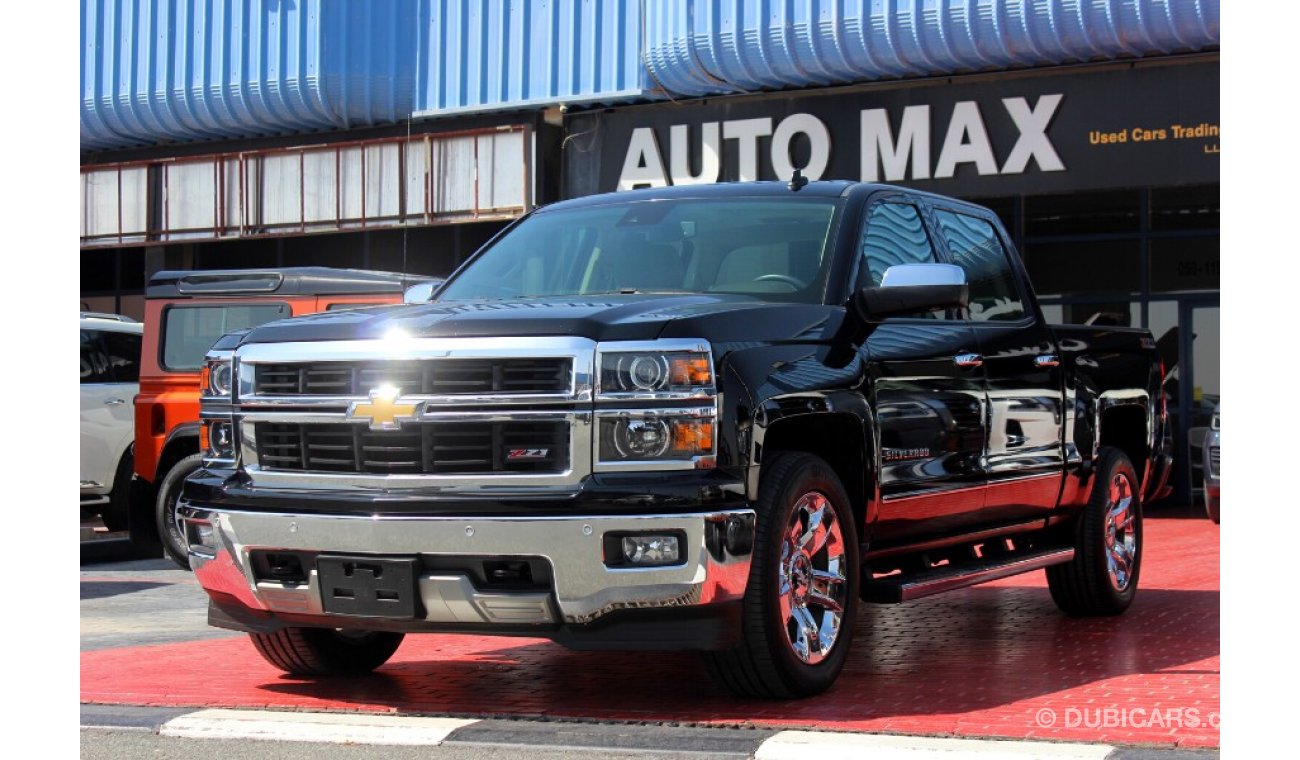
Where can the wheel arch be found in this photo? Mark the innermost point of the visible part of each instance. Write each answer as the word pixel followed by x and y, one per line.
pixel 1126 427
pixel 182 441
pixel 839 433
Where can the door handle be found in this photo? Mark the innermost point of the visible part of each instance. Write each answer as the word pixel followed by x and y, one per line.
pixel 115 402
pixel 968 360
pixel 1047 360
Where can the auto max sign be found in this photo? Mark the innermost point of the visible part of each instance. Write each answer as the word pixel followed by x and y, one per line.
pixel 1026 132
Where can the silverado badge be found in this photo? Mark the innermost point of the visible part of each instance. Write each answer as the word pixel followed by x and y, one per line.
pixel 383 410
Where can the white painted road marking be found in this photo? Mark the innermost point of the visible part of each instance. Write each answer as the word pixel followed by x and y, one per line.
pixel 341 728
pixel 801 745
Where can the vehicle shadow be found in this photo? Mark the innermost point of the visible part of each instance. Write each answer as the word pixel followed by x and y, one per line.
pixel 975 650
pixel 99 589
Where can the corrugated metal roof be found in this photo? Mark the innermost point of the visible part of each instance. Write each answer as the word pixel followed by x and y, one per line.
pixel 179 70
pixel 480 56
pixel 704 47
pixel 161 70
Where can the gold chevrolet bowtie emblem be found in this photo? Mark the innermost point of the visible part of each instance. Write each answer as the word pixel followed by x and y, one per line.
pixel 382 410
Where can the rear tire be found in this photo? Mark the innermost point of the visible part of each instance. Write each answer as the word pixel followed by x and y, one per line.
pixel 326 652
pixel 793 640
pixel 175 547
pixel 1103 577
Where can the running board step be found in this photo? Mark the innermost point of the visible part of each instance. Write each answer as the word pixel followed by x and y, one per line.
pixel 902 588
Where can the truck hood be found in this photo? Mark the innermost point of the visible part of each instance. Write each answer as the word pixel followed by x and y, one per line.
pixel 601 318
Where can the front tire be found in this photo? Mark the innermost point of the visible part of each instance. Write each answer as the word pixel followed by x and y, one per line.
pixel 175 547
pixel 1103 577
pixel 326 652
pixel 802 597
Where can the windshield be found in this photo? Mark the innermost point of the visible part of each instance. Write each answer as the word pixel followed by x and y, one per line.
pixel 772 249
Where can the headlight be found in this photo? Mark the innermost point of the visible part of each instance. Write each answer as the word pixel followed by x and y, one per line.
pixel 217 439
pixel 660 435
pixel 1214 421
pixel 656 374
pixel 217 377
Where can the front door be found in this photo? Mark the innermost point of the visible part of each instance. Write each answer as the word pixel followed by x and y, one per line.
pixel 927 388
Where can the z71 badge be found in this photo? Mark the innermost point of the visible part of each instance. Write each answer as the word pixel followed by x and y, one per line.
pixel 516 455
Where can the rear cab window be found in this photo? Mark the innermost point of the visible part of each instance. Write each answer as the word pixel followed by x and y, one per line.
pixel 189 331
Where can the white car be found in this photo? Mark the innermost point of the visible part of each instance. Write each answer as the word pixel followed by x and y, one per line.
pixel 110 378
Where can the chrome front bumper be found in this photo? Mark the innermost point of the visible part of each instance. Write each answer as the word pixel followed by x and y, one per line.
pixel 583 589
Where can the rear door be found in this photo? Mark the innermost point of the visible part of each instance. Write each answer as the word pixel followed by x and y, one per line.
pixel 110 373
pixel 927 389
pixel 1025 461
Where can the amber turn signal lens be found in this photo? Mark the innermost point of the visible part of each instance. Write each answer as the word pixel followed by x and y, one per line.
pixel 691 437
pixel 205 441
pixel 205 377
pixel 693 371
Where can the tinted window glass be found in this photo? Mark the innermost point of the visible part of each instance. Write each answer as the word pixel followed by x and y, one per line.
pixel 1089 267
pixel 894 235
pixel 1185 263
pixel 189 331
pixel 1082 213
pixel 1185 208
pixel 94 362
pixel 975 247
pixel 123 351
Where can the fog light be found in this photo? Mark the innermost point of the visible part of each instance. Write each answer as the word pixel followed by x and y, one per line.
pixel 651 550
pixel 201 534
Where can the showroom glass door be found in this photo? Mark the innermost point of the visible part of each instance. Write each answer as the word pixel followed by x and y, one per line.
pixel 1187 336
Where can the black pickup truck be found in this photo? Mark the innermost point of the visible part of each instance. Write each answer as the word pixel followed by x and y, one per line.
pixel 711 417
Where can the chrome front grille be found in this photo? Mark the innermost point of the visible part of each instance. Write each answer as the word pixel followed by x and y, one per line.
pixel 482 415
pixel 430 377
pixel 1214 461
pixel 433 448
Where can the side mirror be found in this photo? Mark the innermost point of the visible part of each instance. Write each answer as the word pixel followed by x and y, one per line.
pixel 912 288
pixel 421 292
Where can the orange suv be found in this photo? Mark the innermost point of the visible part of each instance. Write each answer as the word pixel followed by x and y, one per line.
pixel 185 312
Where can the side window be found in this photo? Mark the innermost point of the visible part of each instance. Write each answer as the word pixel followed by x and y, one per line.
pixel 189 331
pixel 123 350
pixel 974 245
pixel 94 362
pixel 895 234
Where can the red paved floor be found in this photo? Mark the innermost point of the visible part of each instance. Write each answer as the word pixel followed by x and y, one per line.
pixel 996 660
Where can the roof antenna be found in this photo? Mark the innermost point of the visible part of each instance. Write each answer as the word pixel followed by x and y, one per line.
pixel 797 181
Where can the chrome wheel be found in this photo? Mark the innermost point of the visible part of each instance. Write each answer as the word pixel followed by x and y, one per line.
pixel 812 582
pixel 1121 533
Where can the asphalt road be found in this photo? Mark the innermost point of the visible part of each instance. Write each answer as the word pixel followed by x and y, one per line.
pixel 132 602
pixel 98 744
